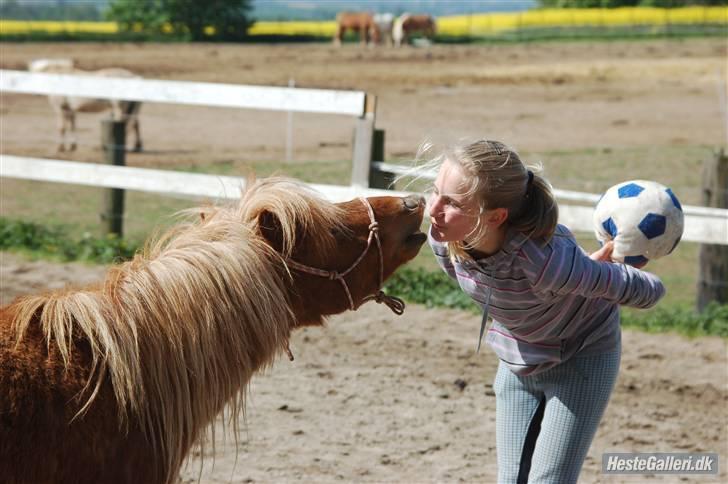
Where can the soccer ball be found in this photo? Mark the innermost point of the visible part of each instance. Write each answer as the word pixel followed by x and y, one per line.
pixel 644 219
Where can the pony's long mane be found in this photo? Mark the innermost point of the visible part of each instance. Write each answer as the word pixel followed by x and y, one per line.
pixel 179 329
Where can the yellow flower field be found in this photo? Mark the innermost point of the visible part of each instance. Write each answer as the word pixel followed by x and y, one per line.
pixel 458 25
pixel 15 27
pixel 500 22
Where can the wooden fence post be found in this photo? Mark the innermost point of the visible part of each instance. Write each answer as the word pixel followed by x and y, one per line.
pixel 713 277
pixel 363 137
pixel 377 177
pixel 113 141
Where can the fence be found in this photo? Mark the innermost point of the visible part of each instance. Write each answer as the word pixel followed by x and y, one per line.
pixel 349 103
pixel 705 225
pixel 355 104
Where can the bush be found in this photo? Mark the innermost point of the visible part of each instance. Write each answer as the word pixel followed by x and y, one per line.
pixel 226 20
pixel 712 321
pixel 433 289
pixel 55 242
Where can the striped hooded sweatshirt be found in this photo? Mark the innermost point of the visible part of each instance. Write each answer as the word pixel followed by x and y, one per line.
pixel 549 301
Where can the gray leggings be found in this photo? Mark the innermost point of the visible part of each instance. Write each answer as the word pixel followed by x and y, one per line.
pixel 546 422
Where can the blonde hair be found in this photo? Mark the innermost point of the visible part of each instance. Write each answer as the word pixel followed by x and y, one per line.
pixel 497 178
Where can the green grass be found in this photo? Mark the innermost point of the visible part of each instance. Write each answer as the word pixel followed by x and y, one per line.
pixel 55 244
pixel 596 169
pixel 325 172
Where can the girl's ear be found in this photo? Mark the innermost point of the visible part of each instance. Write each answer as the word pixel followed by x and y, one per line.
pixel 496 217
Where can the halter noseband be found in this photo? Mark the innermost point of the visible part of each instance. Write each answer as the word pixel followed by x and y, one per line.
pixel 394 303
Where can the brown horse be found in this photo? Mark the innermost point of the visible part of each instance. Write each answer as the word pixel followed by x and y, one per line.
pixel 408 25
pixel 66 107
pixel 116 382
pixel 360 22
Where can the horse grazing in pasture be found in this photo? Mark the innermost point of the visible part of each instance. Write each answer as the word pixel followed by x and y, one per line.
pixel 360 22
pixel 115 383
pixel 66 107
pixel 384 23
pixel 407 25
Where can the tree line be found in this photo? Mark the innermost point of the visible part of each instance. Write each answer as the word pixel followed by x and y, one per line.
pixel 226 20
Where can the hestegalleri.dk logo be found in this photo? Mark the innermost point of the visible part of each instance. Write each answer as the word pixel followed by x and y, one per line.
pixel 660 463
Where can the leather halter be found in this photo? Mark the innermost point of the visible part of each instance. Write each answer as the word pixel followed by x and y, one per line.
pixel 394 303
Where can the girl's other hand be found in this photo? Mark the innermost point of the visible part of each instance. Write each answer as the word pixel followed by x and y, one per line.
pixel 604 254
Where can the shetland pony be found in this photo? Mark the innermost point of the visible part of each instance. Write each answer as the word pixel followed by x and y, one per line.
pixel 406 25
pixel 66 107
pixel 115 382
pixel 360 22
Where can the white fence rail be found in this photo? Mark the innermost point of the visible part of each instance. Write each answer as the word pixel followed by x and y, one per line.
pixel 701 224
pixel 168 182
pixel 351 103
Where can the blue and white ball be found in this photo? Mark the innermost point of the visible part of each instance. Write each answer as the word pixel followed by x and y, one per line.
pixel 643 218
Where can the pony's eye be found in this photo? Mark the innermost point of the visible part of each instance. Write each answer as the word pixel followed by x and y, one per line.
pixel 338 235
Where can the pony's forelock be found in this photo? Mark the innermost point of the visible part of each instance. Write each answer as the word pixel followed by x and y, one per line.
pixel 299 212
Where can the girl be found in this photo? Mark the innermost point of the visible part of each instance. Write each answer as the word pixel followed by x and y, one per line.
pixel 554 308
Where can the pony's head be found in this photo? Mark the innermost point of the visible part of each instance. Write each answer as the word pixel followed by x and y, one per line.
pixel 337 255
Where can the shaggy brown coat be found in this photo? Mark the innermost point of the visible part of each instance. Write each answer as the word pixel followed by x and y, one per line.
pixel 116 382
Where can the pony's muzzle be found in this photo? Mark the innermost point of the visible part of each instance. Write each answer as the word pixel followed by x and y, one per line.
pixel 413 202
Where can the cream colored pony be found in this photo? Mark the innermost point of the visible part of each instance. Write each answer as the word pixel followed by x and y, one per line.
pixel 66 107
pixel 115 382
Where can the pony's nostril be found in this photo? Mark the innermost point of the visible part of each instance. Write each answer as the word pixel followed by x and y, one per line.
pixel 413 201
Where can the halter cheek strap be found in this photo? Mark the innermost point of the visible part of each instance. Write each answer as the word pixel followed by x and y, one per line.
pixel 394 303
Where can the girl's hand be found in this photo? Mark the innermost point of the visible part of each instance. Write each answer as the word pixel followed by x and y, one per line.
pixel 604 254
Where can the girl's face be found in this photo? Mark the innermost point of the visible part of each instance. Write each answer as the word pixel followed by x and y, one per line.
pixel 453 214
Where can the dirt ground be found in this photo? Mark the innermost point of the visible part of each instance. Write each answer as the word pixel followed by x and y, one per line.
pixel 378 398
pixel 373 397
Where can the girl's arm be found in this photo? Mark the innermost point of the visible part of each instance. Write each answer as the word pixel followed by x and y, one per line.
pixel 562 268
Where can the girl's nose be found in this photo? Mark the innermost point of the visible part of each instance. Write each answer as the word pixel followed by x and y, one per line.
pixel 433 206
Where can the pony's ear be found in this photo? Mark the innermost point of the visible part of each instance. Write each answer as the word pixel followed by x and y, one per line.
pixel 270 229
